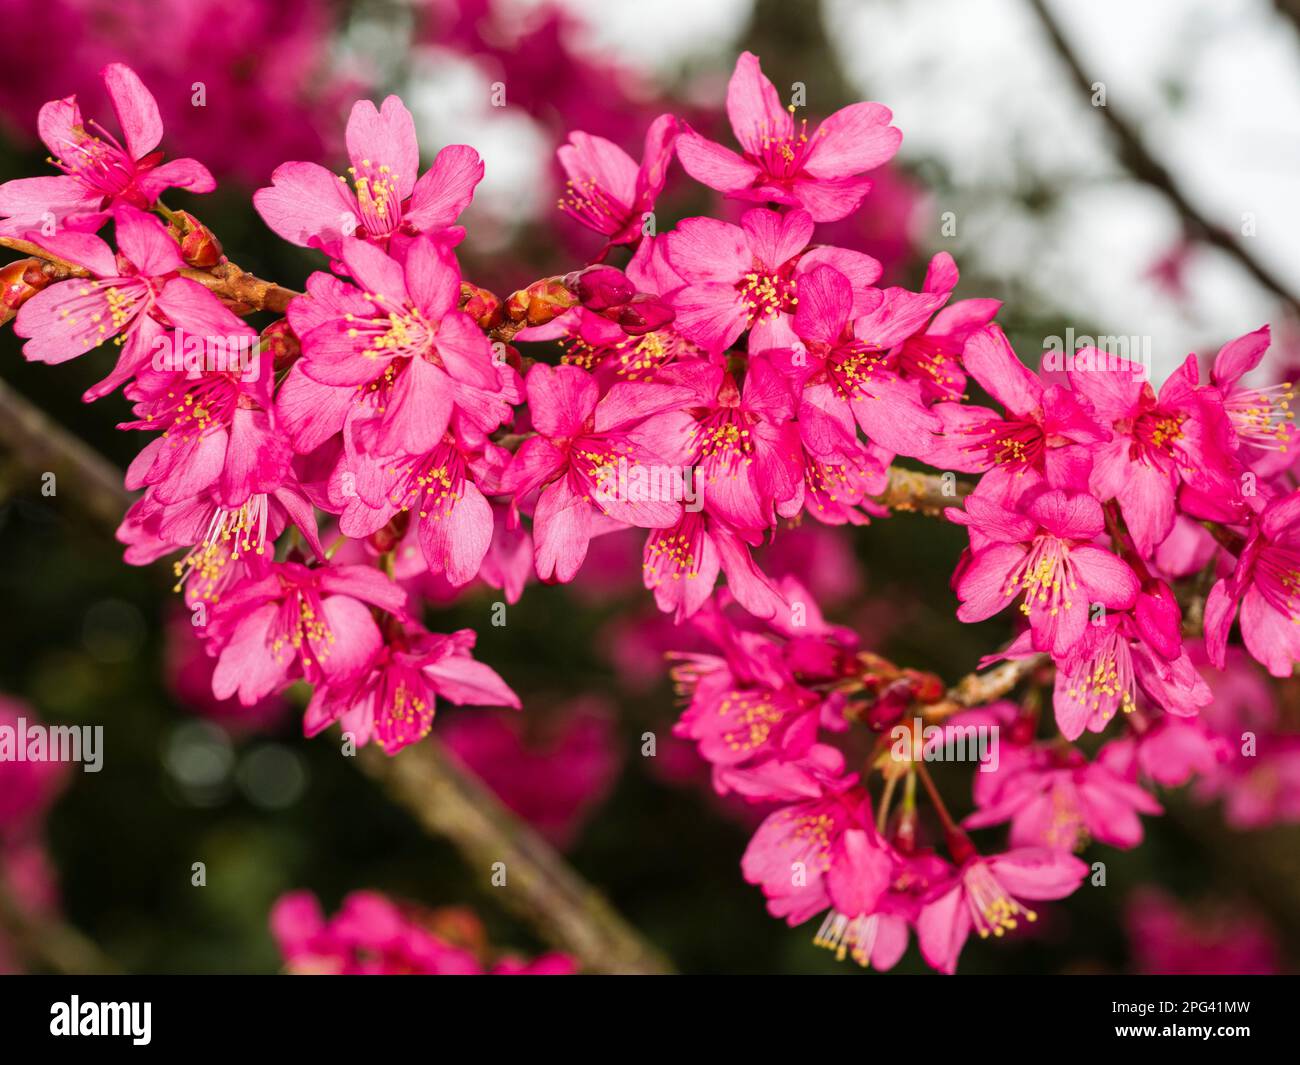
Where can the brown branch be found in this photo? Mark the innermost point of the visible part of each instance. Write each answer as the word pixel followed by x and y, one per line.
pixel 539 886
pixel 923 493
pixel 1139 161
pixel 227 281
pixel 48 941
pixel 980 689
pixel 445 798
pixel 38 445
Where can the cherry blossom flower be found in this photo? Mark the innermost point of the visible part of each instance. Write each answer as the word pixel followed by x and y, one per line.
pixel 132 298
pixel 985 894
pixel 1043 551
pixel 819 171
pixel 393 698
pixel 1265 583
pixel 382 200
pixel 747 277
pixel 99 172
pixel 606 189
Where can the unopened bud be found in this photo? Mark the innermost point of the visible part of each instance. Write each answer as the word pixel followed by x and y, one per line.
pixel 481 305
pixel 20 281
pixel 600 288
pixel 281 343
pixel 199 245
pixel 541 302
pixel 644 314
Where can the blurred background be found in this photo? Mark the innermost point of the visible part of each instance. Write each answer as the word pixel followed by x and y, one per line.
pixel 1168 214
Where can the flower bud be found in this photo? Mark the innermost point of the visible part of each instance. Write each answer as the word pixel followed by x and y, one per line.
pixel 601 288
pixel 541 302
pixel 199 245
pixel 481 305
pixel 20 281
pixel 644 314
pixel 386 539
pixel 281 343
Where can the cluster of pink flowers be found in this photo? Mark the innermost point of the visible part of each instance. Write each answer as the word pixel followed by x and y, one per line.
pixel 372 935
pixel 729 380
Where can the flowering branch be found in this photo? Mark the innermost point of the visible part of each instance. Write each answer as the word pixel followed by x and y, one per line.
pixel 442 795
pixel 235 287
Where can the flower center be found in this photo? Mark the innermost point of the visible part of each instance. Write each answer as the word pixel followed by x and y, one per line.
pixel 377 197
pixel 1262 416
pixel 992 908
pixel 1045 575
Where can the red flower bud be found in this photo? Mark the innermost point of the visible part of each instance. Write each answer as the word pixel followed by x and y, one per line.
pixel 281 343
pixel 20 281
pixel 644 314
pixel 541 302
pixel 481 305
pixel 199 245
pixel 600 288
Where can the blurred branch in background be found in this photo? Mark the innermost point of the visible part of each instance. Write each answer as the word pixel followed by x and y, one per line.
pixel 48 941
pixel 1139 161
pixel 537 883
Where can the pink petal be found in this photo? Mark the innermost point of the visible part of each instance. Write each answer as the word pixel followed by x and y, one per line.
pixel 136 109
pixel 853 139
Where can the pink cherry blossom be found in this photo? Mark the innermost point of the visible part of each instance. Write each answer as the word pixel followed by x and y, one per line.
pixel 297 621
pixel 747 277
pixel 820 171
pixel 985 895
pixel 384 199
pixel 392 697
pixel 1265 584
pixel 99 172
pixel 584 444
pixel 606 189
pixel 132 299
pixel 1044 551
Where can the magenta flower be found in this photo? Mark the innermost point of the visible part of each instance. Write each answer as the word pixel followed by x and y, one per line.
pixel 681 564
pixel 298 622
pixel 372 935
pixel 1045 434
pixel 984 894
pixel 131 298
pixel 381 199
pixel 395 339
pixel 217 433
pixel 1261 418
pixel 438 489
pixel 1112 662
pixel 607 191
pixel 1054 797
pixel 1266 584
pixel 393 698
pixel 586 459
pixel 1043 551
pixel 783 162
pixel 747 277
pixel 840 355
pixel 872 929
pixel 99 173
pixel 799 849
pixel 1159 443
pixel 933 355
pixel 741 443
